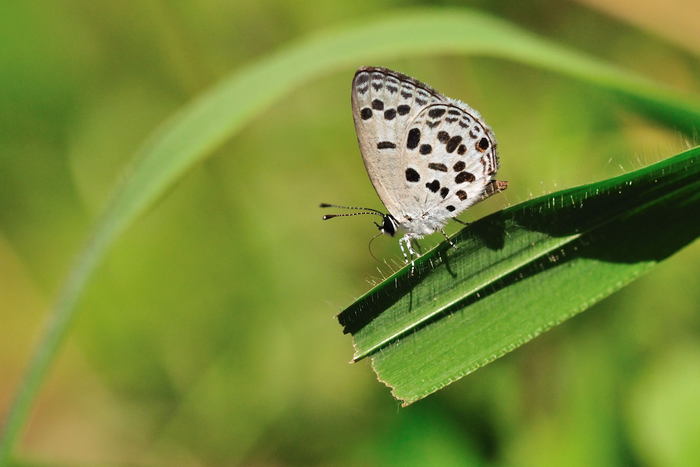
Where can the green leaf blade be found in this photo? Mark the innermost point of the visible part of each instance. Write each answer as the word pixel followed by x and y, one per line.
pixel 552 258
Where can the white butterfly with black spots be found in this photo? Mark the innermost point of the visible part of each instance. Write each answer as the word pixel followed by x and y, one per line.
pixel 428 156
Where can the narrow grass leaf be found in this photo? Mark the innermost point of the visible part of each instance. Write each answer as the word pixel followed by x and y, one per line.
pixel 518 272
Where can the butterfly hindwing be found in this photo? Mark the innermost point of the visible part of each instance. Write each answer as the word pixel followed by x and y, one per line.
pixel 449 158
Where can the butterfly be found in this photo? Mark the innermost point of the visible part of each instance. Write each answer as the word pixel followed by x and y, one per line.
pixel 429 156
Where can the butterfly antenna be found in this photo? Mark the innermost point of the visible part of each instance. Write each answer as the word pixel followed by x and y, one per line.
pixel 363 211
pixel 331 216
pixel 327 205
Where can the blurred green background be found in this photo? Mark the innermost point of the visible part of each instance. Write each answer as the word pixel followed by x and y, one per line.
pixel 208 335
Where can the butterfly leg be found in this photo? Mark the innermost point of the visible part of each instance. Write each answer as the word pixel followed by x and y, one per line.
pixel 406 239
pixel 442 231
pixel 405 256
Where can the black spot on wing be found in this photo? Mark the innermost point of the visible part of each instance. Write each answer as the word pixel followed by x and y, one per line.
pixel 389 114
pixel 482 145
pixel 386 145
pixel 403 109
pixel 377 104
pixel 464 177
pixel 377 81
pixel 412 175
pixel 437 166
pixel 425 149
pixel 433 186
pixel 436 113
pixel 413 138
pixel 366 113
pixel 453 143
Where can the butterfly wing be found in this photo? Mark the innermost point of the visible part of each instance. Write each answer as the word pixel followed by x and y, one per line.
pixel 384 102
pixel 449 158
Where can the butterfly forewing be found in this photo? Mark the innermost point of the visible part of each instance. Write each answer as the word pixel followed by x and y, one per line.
pixel 384 103
pixel 449 157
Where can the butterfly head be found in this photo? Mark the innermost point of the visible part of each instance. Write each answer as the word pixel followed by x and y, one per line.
pixel 388 226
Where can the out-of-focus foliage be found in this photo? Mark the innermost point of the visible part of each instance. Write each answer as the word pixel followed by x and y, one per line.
pixel 207 335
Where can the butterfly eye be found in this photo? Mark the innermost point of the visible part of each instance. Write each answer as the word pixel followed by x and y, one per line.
pixel 389 225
